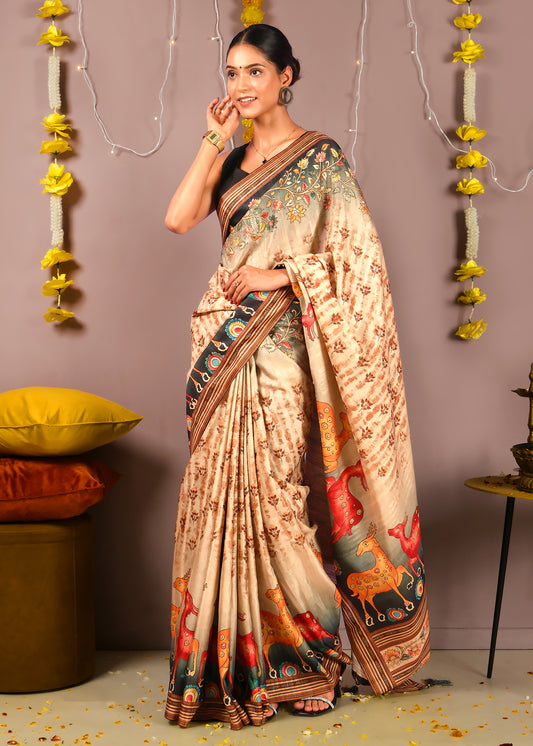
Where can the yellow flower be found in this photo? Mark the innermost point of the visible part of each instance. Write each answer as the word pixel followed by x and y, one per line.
pixel 56 181
pixel 56 285
pixel 468 133
pixel 52 8
pixel 53 36
pixel 57 314
pixel 470 52
pixel 470 186
pixel 248 134
pixel 54 256
pixel 469 269
pixel 54 123
pixel 472 330
pixel 251 16
pixel 54 147
pixel 296 213
pixel 460 2
pixel 472 297
pixel 472 159
pixel 468 20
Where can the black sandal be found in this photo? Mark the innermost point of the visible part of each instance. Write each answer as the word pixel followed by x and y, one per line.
pixel 359 681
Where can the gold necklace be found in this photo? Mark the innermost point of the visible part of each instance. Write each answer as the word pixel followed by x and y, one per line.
pixel 267 156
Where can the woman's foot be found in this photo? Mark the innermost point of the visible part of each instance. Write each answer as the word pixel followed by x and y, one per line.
pixel 273 710
pixel 313 706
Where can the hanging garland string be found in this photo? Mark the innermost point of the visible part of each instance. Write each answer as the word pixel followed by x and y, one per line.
pixel 430 112
pixel 250 16
pixel 57 182
pixel 469 53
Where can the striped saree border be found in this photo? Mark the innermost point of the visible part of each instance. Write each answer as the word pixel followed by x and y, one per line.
pixel 369 646
pixel 279 690
pixel 183 712
pixel 239 352
pixel 256 182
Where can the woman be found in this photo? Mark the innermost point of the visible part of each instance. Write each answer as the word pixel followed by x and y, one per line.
pixel 296 412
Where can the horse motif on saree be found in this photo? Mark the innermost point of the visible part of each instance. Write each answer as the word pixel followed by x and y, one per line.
pixel 316 362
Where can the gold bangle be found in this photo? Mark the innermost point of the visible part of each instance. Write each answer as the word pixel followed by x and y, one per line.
pixel 213 137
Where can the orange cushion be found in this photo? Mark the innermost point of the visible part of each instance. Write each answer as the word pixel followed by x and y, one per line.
pixel 45 489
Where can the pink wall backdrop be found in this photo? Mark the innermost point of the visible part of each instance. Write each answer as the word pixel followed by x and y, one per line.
pixel 137 283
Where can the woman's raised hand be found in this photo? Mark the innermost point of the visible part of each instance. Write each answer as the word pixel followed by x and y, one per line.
pixel 223 117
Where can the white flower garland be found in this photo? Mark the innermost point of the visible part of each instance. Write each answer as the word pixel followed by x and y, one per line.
pixel 469 98
pixel 469 53
pixel 54 92
pixel 56 220
pixel 472 232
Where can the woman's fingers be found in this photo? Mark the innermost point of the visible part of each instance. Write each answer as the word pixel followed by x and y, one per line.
pixel 236 287
pixel 248 279
pixel 222 116
pixel 222 109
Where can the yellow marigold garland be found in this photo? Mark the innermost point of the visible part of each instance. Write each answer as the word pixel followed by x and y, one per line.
pixel 252 12
pixel 469 53
pixel 250 16
pixel 56 182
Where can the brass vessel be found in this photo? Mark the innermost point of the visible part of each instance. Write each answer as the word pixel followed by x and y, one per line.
pixel 523 452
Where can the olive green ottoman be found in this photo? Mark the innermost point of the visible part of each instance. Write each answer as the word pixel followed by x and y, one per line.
pixel 46 604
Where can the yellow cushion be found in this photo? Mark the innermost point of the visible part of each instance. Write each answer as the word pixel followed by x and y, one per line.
pixel 48 421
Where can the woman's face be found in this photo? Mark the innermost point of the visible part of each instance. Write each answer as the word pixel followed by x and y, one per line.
pixel 254 81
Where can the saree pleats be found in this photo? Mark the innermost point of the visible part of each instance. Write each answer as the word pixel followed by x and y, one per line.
pixel 300 456
pixel 255 616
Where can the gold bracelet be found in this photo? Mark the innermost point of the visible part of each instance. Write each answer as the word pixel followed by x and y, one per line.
pixel 213 137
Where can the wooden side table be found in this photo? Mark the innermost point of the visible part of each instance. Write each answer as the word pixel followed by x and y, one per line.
pixel 508 486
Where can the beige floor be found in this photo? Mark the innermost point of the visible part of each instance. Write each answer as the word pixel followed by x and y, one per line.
pixel 122 705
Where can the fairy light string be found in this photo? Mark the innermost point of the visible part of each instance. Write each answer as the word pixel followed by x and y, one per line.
pixel 57 182
pixel 360 62
pixel 218 38
pixel 84 69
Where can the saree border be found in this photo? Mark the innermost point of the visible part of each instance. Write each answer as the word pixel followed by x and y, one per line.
pixel 262 177
pixel 242 713
pixel 368 648
pixel 257 329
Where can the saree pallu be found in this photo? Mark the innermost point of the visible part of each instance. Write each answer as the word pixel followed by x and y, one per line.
pixel 255 616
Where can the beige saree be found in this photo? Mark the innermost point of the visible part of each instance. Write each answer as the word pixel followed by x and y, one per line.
pixel 300 457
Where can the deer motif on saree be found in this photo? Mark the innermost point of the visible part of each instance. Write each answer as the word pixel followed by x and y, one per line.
pixel 186 644
pixel 332 442
pixel 346 510
pixel 280 628
pixel 410 544
pixel 383 577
